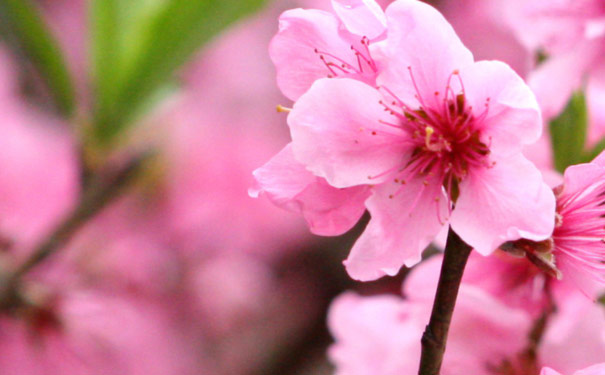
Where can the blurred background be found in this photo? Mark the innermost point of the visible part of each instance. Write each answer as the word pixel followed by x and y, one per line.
pixel 128 242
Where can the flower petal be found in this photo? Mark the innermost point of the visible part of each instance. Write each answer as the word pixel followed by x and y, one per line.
pixel 420 38
pixel 581 176
pixel 503 203
pixel 337 135
pixel 405 219
pixel 593 370
pixel 558 77
pixel 595 97
pixel 303 36
pixel 508 109
pixel 328 211
pixel 361 17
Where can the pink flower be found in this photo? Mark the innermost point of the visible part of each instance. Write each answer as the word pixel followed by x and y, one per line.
pixel 381 334
pixel 440 140
pixel 575 336
pixel 579 235
pixel 572 54
pixel 313 44
pixel 480 25
pixel 84 332
pixel 592 370
pixel 576 250
pixel 489 330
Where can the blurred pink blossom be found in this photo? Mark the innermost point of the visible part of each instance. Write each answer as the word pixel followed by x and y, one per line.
pixel 381 334
pixel 480 25
pixel 83 332
pixel 39 165
pixel 572 56
pixel 496 309
pixel 592 370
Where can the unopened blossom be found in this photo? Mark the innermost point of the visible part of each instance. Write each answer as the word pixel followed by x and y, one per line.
pixel 439 139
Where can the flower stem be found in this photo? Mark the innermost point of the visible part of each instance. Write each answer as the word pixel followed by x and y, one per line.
pixel 435 335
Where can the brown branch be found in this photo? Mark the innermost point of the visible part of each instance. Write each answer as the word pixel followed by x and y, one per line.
pixel 97 196
pixel 435 335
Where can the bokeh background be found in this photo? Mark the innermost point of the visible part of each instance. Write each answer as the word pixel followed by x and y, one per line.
pixel 129 133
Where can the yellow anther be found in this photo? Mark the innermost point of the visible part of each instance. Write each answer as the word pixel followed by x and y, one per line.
pixel 281 108
pixel 429 132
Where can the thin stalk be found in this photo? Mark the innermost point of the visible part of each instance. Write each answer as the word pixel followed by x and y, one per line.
pixel 435 335
pixel 97 196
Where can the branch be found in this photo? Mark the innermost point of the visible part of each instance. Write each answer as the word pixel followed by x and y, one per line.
pixel 435 335
pixel 98 195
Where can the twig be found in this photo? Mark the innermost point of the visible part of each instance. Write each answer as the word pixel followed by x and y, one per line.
pixel 98 195
pixel 435 334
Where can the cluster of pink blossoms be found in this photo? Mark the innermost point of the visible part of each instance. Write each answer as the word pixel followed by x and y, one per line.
pixel 400 119
pixel 392 115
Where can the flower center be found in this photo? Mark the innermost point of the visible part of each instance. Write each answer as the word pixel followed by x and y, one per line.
pixel 445 135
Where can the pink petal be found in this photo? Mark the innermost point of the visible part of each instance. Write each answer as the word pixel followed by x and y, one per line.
pixel 371 332
pixel 336 133
pixel 328 211
pixel 600 159
pixel 292 50
pixel 569 69
pixel 511 114
pixel 569 347
pixel 421 39
pixel 581 176
pixel 595 96
pixel 505 202
pixel 400 229
pixel 549 371
pixel 361 17
pixel 593 370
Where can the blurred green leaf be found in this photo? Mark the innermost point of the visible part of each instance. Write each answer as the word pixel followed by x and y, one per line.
pixel 149 40
pixel 568 132
pixel 37 42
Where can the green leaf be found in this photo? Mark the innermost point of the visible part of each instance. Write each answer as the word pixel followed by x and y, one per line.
pixel 36 41
pixel 568 132
pixel 104 51
pixel 150 39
